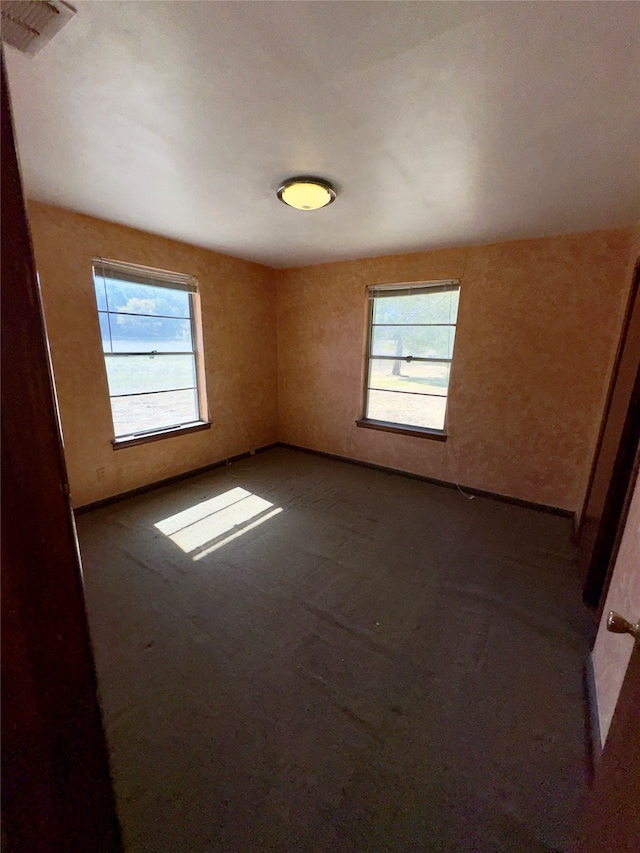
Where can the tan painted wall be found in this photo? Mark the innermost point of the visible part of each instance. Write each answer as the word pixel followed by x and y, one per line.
pixel 537 331
pixel 239 327
pixel 611 652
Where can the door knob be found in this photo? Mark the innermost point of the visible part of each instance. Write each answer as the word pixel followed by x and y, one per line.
pixel 617 624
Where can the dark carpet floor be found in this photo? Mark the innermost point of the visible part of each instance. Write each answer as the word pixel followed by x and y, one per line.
pixel 297 654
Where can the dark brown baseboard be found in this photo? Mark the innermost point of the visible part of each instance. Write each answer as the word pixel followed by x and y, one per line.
pixel 168 481
pixel 481 493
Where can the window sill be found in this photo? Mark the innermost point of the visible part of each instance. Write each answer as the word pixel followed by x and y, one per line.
pixel 121 443
pixel 415 431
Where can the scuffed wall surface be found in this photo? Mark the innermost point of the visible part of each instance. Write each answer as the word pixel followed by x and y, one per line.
pixel 537 331
pixel 239 329
pixel 611 652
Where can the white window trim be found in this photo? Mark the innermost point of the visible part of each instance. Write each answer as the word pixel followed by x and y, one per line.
pixel 137 274
pixel 404 288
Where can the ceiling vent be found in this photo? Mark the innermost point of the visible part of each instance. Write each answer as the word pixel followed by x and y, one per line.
pixel 30 24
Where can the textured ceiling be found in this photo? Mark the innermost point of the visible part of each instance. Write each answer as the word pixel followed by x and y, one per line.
pixel 440 123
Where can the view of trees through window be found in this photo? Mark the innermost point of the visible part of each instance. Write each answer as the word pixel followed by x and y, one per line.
pixel 411 346
pixel 149 352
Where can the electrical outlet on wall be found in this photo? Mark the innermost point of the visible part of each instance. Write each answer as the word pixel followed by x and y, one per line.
pixel 100 474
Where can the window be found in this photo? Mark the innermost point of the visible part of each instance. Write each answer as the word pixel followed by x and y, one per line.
pixel 411 336
pixel 148 339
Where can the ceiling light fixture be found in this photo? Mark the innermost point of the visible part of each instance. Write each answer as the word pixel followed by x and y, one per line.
pixel 306 193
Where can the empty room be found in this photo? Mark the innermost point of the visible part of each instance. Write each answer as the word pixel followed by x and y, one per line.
pixel 321 422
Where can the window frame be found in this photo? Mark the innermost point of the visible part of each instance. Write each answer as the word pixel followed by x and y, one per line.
pixel 103 268
pixel 391 426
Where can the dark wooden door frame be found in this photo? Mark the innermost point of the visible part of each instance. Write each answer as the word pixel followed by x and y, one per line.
pixel 613 515
pixel 616 506
pixel 56 788
pixel 631 301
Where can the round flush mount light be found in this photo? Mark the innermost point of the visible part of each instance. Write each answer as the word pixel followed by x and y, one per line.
pixel 306 193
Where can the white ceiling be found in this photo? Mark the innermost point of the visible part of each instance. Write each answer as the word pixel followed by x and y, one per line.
pixel 441 123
